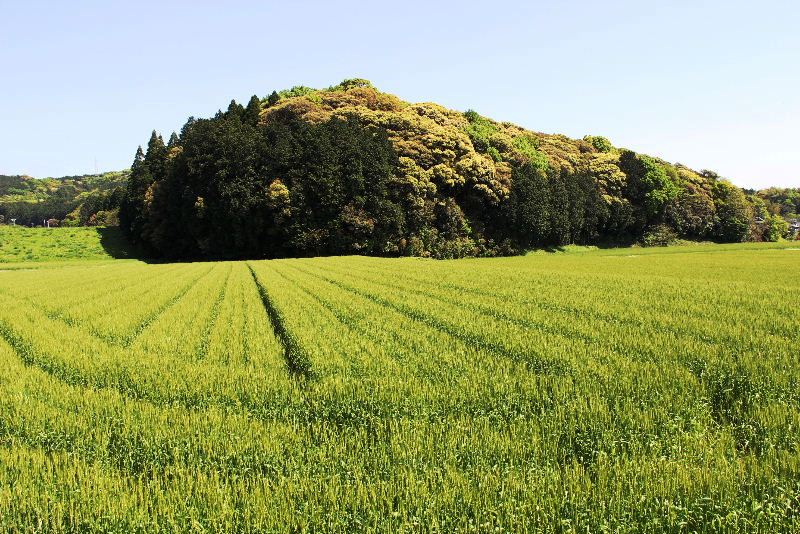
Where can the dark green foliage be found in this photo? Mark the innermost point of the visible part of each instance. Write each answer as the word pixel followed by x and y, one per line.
pixel 530 205
pixel 550 208
pixel 252 111
pixel 173 140
pixel 131 213
pixel 236 190
pixel 691 213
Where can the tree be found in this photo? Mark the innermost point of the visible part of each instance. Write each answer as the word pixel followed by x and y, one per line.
pixel 235 110
pixel 601 144
pixel 648 185
pixel 776 228
pixel 691 214
pixel 131 216
pixel 173 140
pixel 733 212
pixel 156 156
pixel 352 170
pixel 252 111
pixel 530 205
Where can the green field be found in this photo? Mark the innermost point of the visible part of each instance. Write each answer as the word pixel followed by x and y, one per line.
pixel 635 390
pixel 20 244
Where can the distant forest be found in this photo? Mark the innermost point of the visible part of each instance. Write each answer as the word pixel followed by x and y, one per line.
pixel 352 170
pixel 89 200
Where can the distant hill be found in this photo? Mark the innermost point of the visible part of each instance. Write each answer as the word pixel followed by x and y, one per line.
pixel 72 200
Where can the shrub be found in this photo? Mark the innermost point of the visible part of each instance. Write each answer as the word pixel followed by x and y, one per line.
pixel 659 236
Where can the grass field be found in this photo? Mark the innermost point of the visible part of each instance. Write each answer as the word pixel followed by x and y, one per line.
pixel 637 390
pixel 20 244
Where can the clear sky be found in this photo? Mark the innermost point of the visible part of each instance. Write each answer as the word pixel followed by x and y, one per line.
pixel 710 84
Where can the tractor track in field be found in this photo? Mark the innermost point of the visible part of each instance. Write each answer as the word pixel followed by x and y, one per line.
pixel 297 360
pixel 634 349
pixel 534 363
pixel 343 317
pixel 129 338
pixel 201 351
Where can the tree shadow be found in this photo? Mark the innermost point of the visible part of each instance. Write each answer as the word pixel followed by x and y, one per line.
pixel 117 245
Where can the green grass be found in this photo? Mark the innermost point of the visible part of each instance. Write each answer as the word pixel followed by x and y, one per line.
pixel 636 390
pixel 20 244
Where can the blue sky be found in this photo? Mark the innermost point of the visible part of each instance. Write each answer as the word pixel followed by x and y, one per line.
pixel 711 84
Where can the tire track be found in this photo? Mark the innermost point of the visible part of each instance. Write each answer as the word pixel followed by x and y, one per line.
pixel 297 360
pixel 534 363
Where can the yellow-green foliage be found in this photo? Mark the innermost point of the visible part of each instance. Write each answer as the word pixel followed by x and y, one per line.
pixel 446 148
pixel 432 138
pixel 587 391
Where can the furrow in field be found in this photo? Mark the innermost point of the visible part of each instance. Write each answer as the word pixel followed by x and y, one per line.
pixel 297 359
pixel 127 338
pixel 333 354
pixel 205 337
pixel 627 287
pixel 601 329
pixel 660 307
pixel 426 354
pixel 113 316
pixel 135 436
pixel 178 330
pixel 78 359
pixel 592 317
pixel 533 357
pixel 614 349
pixel 72 311
pixel 87 282
pixel 242 334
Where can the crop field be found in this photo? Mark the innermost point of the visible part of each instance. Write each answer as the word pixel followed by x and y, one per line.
pixel 635 390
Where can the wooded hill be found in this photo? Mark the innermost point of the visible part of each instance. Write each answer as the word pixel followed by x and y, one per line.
pixel 71 200
pixel 350 169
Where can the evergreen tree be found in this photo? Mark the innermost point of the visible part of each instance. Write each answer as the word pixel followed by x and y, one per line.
pixel 131 214
pixel 530 205
pixel 138 159
pixel 252 111
pixel 235 110
pixel 173 140
pixel 273 99
pixel 559 209
pixel 156 156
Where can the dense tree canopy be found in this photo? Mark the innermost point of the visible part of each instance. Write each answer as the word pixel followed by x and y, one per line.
pixel 350 169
